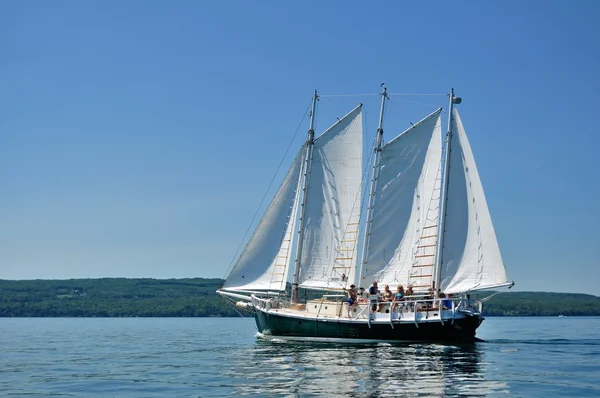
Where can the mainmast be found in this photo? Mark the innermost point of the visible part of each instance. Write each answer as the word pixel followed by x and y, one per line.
pixel 308 149
pixel 444 194
pixel 374 176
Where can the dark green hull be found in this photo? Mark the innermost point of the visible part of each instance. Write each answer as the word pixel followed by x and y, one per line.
pixel 275 324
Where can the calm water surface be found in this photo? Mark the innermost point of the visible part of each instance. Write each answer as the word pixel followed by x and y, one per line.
pixel 205 357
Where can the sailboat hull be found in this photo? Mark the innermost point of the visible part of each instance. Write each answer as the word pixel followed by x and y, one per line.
pixel 304 328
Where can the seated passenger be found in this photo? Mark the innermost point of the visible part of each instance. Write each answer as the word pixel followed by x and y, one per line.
pixel 442 303
pixel 385 296
pixel 431 299
pixel 363 295
pixel 399 296
pixel 446 303
pixel 409 295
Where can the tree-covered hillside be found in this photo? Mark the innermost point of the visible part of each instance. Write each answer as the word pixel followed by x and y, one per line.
pixel 121 297
pixel 541 303
pixel 109 297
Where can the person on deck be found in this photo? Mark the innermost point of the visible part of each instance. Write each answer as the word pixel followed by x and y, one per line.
pixel 408 296
pixel 431 301
pixel 446 302
pixel 373 296
pixel 399 296
pixel 441 302
pixel 387 295
pixel 352 297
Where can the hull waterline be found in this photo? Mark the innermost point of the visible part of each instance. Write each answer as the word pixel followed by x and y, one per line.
pixel 297 328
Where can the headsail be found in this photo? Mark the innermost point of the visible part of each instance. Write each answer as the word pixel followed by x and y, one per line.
pixel 333 206
pixel 264 264
pixel 405 212
pixel 471 257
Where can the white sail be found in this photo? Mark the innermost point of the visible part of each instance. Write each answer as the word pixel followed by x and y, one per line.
pixel 471 257
pixel 264 264
pixel 333 206
pixel 406 207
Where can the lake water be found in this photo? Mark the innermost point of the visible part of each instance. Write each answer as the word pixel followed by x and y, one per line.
pixel 206 357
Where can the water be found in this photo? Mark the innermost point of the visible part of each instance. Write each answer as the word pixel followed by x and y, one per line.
pixel 204 357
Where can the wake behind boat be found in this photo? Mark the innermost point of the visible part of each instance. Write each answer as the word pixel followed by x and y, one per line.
pixel 427 236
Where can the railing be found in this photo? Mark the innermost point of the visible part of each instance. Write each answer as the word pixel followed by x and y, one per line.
pixel 270 302
pixel 418 305
pixel 415 305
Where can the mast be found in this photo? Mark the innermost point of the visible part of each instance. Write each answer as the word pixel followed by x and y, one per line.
pixel 444 194
pixel 309 144
pixel 374 176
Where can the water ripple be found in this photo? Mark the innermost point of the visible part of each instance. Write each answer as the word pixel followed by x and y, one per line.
pixel 223 357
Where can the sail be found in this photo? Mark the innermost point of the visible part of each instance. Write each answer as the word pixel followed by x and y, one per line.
pixel 264 264
pixel 471 257
pixel 333 206
pixel 406 206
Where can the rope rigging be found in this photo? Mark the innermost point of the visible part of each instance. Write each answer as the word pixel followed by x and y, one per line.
pixel 262 201
pixel 378 94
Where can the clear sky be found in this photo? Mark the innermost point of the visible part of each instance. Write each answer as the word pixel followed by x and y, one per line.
pixel 137 138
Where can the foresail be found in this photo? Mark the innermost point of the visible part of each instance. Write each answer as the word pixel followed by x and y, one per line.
pixel 403 229
pixel 264 264
pixel 471 257
pixel 333 206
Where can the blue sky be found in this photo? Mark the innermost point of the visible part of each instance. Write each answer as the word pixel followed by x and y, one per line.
pixel 137 138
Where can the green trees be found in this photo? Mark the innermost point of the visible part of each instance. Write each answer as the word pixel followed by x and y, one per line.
pixel 541 303
pixel 113 297
pixel 122 297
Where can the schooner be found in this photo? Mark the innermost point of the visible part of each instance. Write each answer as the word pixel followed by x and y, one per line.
pixel 426 227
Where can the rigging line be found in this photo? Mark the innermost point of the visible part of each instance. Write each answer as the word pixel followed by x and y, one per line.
pixel 231 303
pixel 483 300
pixel 418 103
pixel 347 95
pixel 417 95
pixel 235 256
pixel 375 94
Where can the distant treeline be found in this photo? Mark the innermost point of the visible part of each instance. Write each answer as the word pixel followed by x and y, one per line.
pixel 542 304
pixel 122 297
pixel 113 297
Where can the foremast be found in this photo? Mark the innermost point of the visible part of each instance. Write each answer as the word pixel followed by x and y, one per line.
pixel 444 195
pixel 308 150
pixel 374 176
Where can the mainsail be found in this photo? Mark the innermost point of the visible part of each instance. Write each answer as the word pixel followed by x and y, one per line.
pixel 333 206
pixel 471 257
pixel 264 264
pixel 405 211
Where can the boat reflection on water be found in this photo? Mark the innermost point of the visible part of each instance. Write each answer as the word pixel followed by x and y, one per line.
pixel 359 370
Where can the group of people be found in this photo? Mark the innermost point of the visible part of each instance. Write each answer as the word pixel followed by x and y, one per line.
pixel 378 299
